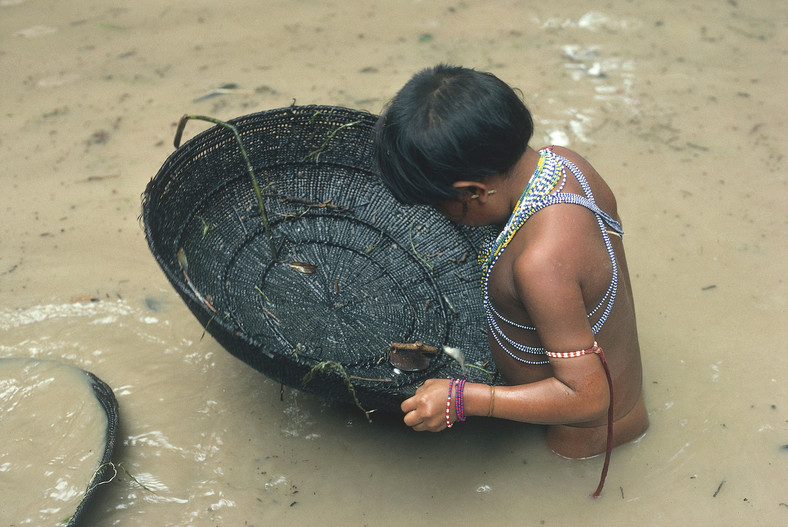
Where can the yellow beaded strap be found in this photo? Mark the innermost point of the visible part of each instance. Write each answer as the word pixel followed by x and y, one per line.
pixel 548 172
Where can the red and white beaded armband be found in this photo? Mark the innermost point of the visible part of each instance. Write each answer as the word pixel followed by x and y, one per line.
pixel 579 353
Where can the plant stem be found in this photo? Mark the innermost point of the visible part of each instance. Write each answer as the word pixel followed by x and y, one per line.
pixel 258 194
pixel 332 365
pixel 430 267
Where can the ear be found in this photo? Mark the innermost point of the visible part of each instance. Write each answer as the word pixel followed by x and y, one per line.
pixel 473 190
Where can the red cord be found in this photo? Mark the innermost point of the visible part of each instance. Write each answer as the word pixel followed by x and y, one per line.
pixel 609 447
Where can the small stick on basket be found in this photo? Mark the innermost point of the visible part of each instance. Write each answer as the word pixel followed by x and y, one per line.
pixel 414 346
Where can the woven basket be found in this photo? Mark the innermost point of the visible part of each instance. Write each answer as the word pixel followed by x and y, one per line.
pixel 58 431
pixel 354 270
pixel 105 471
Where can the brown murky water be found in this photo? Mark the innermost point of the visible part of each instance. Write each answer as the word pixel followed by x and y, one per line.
pixel 681 106
pixel 52 432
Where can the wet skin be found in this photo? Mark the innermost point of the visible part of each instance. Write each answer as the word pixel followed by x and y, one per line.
pixel 553 272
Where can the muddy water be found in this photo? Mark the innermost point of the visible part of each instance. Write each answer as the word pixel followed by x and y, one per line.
pixel 53 435
pixel 681 106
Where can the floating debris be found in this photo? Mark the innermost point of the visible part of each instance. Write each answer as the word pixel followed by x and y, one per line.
pixel 718 489
pixel 36 31
pixel 223 90
pixel 184 265
pixel 328 365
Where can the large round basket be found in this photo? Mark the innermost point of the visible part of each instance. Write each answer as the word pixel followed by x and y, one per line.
pixel 312 279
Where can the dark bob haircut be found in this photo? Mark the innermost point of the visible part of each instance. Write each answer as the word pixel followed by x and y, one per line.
pixel 449 124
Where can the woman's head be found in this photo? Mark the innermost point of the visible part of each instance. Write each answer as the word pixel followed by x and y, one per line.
pixel 449 124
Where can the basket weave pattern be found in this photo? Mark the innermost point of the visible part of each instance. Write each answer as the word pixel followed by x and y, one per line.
pixel 354 270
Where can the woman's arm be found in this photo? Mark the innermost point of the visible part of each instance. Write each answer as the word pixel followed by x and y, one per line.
pixel 579 395
pixel 547 278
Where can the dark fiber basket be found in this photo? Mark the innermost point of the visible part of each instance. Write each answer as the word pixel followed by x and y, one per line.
pixel 354 270
pixel 39 431
pixel 105 472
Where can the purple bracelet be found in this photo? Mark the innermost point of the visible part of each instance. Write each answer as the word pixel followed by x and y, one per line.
pixel 460 402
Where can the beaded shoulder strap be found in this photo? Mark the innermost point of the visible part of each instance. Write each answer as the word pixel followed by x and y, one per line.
pixel 539 193
pixel 542 183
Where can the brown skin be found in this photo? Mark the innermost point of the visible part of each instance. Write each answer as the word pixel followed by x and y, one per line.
pixel 554 270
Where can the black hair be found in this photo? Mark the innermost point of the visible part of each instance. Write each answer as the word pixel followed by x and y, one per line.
pixel 447 124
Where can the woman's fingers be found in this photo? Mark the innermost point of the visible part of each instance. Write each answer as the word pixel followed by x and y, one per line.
pixel 425 411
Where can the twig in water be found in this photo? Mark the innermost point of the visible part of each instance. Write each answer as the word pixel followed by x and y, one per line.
pixel 184 265
pixel 265 297
pixel 246 233
pixel 369 248
pixel 450 305
pixel 115 469
pixel 414 346
pixel 90 179
pixel 369 379
pixel 718 489
pixel 205 226
pixel 268 312
pixel 205 329
pixel 332 365
pixel 313 205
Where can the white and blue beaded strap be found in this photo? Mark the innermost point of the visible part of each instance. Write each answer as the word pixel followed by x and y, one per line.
pixel 541 184
pixel 498 334
pixel 602 218
pixel 607 300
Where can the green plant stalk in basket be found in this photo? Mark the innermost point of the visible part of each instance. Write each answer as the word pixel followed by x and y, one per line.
pixel 257 192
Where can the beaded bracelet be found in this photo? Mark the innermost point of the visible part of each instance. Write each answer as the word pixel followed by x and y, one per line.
pixel 448 404
pixel 459 401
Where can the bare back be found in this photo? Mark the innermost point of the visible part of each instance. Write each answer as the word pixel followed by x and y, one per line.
pixel 571 234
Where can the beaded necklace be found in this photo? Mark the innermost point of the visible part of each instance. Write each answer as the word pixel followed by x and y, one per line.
pixel 539 193
pixel 543 182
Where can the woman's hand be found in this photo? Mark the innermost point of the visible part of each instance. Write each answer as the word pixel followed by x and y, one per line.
pixel 426 411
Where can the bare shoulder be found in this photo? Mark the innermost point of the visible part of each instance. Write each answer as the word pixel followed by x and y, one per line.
pixel 601 190
pixel 573 156
pixel 547 257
